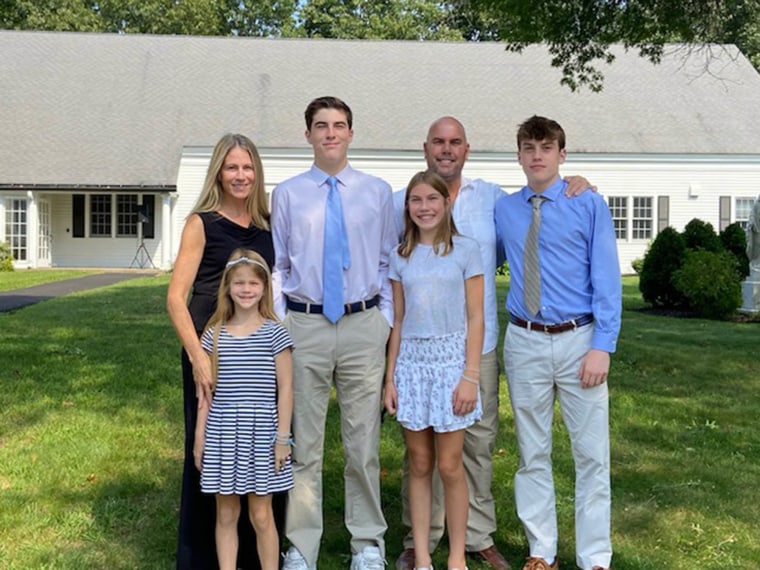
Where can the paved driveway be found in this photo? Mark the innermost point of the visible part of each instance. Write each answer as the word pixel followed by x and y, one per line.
pixel 18 298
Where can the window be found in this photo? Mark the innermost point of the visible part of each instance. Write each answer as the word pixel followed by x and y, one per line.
pixel 126 215
pixel 641 227
pixel 111 215
pixel 100 215
pixel 15 228
pixel 743 210
pixel 619 210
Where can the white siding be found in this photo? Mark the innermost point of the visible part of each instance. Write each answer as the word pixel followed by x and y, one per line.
pixel 693 184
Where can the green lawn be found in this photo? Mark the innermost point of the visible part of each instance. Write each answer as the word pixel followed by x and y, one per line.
pixel 10 280
pixel 91 438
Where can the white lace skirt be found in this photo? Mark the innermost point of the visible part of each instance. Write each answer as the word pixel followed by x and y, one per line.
pixel 428 371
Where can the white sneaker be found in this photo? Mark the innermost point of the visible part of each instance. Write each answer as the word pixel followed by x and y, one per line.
pixel 368 559
pixel 295 561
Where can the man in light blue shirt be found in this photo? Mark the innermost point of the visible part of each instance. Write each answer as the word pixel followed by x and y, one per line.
pixel 347 350
pixel 564 323
pixel 473 200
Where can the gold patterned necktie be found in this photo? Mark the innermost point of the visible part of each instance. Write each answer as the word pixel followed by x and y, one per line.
pixel 531 273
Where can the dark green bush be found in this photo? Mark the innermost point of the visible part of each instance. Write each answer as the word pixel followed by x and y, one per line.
pixel 734 239
pixel 710 283
pixel 701 235
pixel 6 258
pixel 666 255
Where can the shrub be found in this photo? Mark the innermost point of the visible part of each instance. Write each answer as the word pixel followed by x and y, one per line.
pixel 734 239
pixel 701 235
pixel 710 283
pixel 666 255
pixel 6 258
pixel 637 264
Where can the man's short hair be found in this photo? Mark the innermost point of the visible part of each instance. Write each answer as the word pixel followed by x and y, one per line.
pixel 327 103
pixel 540 128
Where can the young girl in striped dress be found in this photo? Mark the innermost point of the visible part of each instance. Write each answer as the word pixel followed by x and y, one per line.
pixel 434 352
pixel 242 441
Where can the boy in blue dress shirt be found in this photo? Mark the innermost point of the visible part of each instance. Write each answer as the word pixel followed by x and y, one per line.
pixel 564 322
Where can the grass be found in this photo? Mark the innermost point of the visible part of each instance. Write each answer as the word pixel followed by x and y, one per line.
pixel 91 438
pixel 10 280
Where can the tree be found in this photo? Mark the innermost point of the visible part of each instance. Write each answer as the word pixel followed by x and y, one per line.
pixel 52 15
pixel 579 33
pixel 201 17
pixel 260 18
pixel 375 19
pixel 197 17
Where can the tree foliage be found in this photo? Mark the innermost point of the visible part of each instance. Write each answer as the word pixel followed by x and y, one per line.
pixel 6 257
pixel 698 234
pixel 695 269
pixel 665 256
pixel 709 282
pixel 734 239
pixel 196 17
pixel 376 19
pixel 579 33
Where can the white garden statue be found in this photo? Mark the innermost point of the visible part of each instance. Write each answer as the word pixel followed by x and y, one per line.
pixel 753 239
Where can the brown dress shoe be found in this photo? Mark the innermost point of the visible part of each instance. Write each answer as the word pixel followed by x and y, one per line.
pixel 405 560
pixel 492 557
pixel 537 563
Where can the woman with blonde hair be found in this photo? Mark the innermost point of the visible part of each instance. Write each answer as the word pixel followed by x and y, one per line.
pixel 231 213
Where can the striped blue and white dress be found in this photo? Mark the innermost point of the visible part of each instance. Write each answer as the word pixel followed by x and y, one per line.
pixel 238 457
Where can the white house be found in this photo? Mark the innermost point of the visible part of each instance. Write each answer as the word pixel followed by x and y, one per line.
pixel 99 128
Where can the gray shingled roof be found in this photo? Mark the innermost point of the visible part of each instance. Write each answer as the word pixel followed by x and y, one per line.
pixel 117 109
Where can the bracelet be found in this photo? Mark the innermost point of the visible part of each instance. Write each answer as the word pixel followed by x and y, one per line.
pixel 470 380
pixel 284 439
pixel 476 370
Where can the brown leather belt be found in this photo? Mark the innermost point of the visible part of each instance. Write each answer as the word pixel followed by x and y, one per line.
pixel 555 328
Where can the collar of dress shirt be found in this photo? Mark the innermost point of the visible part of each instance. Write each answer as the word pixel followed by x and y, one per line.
pixel 320 176
pixel 554 191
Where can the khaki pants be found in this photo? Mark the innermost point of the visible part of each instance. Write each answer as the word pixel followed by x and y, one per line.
pixel 350 353
pixel 540 367
pixel 478 464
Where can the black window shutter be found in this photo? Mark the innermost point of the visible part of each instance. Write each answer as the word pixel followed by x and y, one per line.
pixel 149 225
pixel 77 216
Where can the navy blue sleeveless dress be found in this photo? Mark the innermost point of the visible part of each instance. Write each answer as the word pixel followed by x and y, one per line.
pixel 197 549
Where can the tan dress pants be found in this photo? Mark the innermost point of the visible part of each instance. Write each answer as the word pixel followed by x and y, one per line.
pixel 351 355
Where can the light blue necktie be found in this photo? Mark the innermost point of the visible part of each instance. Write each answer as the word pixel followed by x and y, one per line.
pixel 337 256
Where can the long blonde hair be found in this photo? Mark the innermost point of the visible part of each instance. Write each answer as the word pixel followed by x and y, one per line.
pixel 446 231
pixel 225 307
pixel 210 199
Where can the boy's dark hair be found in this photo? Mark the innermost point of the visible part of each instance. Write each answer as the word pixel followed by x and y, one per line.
pixel 327 103
pixel 540 128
